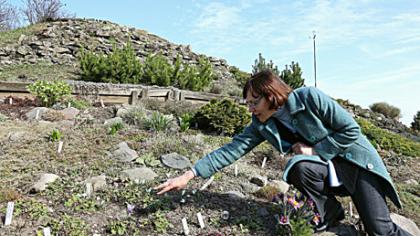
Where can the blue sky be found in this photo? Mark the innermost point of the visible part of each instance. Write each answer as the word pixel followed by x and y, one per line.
pixel 367 51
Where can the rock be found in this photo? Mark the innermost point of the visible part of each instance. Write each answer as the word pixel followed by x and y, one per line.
pixel 263 212
pixel 125 153
pixel 176 161
pixel 113 121
pixel 98 182
pixel 16 136
pixel 70 113
pixel 31 115
pixel 235 195
pixel 340 230
pixel 42 183
pixel 249 188
pixel 405 223
pixel 138 174
pixel 259 180
pixel 411 181
pixel 283 186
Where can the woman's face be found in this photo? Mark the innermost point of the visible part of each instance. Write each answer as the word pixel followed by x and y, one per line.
pixel 259 107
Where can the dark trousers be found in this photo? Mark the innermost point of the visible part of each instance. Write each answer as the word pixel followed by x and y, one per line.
pixel 368 196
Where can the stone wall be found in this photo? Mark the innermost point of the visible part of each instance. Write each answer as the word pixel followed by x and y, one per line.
pixel 59 42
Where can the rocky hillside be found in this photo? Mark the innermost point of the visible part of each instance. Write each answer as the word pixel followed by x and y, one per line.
pixel 59 42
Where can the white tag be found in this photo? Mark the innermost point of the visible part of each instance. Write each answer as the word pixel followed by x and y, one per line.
pixel 207 183
pixel 185 226
pixel 102 103
pixel 60 146
pixel 9 213
pixel 351 210
pixel 236 170
pixel 332 175
pixel 263 163
pixel 47 231
pixel 89 189
pixel 69 104
pixel 200 220
pixel 10 101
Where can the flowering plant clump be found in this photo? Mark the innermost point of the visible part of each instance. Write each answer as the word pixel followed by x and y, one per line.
pixel 297 214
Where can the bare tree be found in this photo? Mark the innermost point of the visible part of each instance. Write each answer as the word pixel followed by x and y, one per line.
pixel 37 11
pixel 8 16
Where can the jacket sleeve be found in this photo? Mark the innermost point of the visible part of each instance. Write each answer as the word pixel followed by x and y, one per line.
pixel 229 153
pixel 345 130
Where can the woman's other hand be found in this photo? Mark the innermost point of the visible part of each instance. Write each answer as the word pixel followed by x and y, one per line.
pixel 177 183
pixel 301 148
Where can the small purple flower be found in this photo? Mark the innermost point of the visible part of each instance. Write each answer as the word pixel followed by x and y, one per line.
pixel 284 220
pixel 130 208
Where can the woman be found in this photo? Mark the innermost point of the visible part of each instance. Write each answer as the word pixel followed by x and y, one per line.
pixel 325 140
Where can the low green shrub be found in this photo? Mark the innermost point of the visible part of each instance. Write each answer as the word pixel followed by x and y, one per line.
pixel 120 66
pixel 240 76
pixel 158 71
pixel 55 135
pixel 114 128
pixel 185 121
pixel 49 92
pixel 158 121
pixel 135 115
pixel 415 125
pixel 222 116
pixel 388 140
pixel 79 103
pixel 387 110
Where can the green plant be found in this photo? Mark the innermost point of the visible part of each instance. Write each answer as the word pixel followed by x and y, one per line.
pixel 76 203
pixel 185 121
pixel 292 75
pixel 240 76
pixel 148 159
pixel 387 110
pixel 158 121
pixel 79 103
pixel 69 225
pixel 120 66
pixel 117 228
pixel 415 125
pixel 260 64
pixel 114 128
pixel 55 135
pixel 388 140
pixel 222 116
pixel 158 71
pixel 49 92
pixel 197 77
pixel 135 115
pixel 160 222
pixel 3 118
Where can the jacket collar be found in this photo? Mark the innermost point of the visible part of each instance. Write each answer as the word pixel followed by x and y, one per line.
pixel 294 103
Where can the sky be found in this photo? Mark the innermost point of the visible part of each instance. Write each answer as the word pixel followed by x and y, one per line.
pixel 366 51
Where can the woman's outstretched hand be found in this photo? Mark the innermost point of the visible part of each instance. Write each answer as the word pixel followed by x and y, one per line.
pixel 301 148
pixel 176 183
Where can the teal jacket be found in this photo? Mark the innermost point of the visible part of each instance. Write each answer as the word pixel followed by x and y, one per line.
pixel 318 119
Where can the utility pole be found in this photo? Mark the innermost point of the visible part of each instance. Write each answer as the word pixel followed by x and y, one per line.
pixel 313 38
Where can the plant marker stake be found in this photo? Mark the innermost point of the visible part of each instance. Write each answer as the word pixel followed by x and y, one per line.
pixel 69 105
pixel 89 189
pixel 200 220
pixel 60 146
pixel 37 115
pixel 207 183
pixel 10 101
pixel 185 226
pixel 351 210
pixel 9 213
pixel 102 103
pixel 47 231
pixel 236 170
pixel 263 163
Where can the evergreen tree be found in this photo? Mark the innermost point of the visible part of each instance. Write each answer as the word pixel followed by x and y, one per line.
pixel 415 125
pixel 292 75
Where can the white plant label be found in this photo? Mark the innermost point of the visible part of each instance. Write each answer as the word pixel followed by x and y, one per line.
pixel 263 163
pixel 37 115
pixel 60 146
pixel 89 189
pixel 351 210
pixel 102 103
pixel 9 213
pixel 47 231
pixel 185 226
pixel 69 104
pixel 207 183
pixel 200 220
pixel 236 170
pixel 10 101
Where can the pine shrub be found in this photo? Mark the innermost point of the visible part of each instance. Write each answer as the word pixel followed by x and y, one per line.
pixel 387 110
pixel 222 116
pixel 415 125
pixel 158 71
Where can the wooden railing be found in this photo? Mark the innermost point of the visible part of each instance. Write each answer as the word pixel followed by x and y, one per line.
pixel 118 93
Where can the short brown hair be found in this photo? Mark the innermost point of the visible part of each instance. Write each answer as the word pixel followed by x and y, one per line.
pixel 266 83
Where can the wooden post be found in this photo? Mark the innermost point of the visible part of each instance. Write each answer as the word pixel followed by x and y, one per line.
pixel 145 93
pixel 177 94
pixel 134 97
